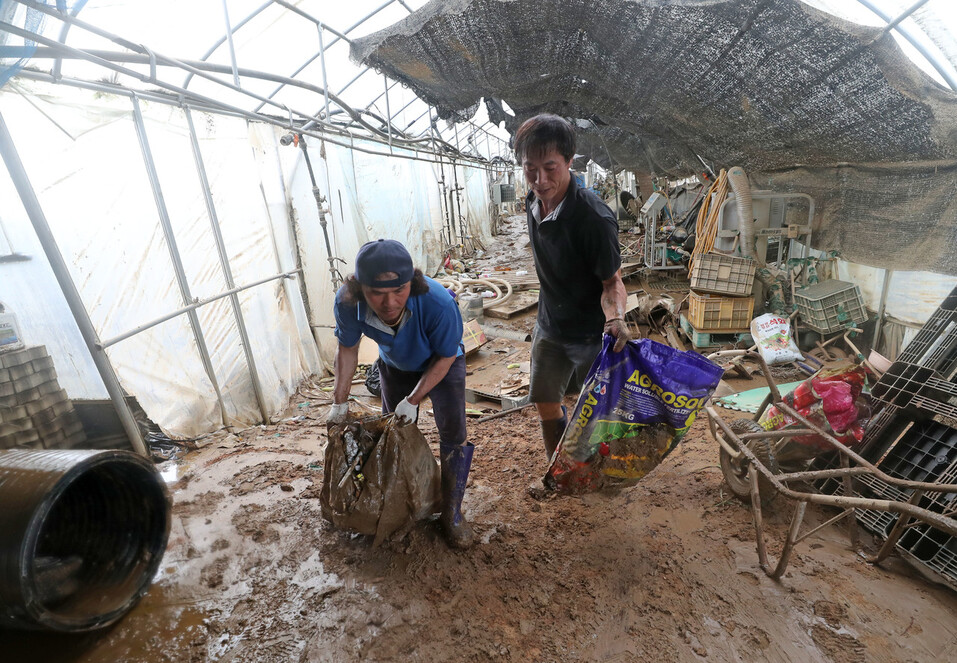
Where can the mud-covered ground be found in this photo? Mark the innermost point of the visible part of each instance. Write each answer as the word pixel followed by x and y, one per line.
pixel 664 571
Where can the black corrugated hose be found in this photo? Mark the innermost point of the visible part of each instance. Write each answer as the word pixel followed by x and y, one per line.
pixel 82 534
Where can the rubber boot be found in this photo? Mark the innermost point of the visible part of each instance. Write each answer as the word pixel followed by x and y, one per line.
pixel 456 461
pixel 552 430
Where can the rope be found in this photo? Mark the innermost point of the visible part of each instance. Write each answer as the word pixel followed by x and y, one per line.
pixel 706 229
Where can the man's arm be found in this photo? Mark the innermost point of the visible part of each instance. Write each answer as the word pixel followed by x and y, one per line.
pixel 613 301
pixel 345 368
pixel 434 374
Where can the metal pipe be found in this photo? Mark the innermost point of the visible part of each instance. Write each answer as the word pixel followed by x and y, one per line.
pixel 793 530
pixel 203 103
pixel 912 40
pixel 199 68
pixel 322 49
pixel 879 323
pixel 411 101
pixel 178 269
pixel 232 48
pixel 64 31
pixel 227 270
pixel 325 80
pixel 388 113
pixel 907 12
pixel 62 274
pixel 306 15
pixel 440 181
pixel 219 42
pixel 335 276
pixel 195 305
pixel 354 79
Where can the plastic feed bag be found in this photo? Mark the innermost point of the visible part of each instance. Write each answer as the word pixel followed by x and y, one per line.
pixel 633 409
pixel 772 333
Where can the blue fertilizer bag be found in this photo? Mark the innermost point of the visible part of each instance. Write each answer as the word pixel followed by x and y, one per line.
pixel 634 408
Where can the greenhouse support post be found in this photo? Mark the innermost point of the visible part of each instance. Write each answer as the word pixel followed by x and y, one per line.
pixel 62 273
pixel 177 261
pixel 227 270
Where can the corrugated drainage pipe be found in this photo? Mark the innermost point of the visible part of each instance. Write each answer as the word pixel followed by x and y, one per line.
pixel 82 534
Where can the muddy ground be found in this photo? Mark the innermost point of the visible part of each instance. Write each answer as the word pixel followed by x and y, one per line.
pixel 664 571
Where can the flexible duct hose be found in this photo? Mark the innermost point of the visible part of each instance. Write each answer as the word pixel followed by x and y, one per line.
pixel 495 285
pixel 742 198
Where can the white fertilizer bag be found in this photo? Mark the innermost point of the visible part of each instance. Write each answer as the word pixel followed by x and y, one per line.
pixel 772 333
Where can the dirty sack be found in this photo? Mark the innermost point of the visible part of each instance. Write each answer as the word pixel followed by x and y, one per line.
pixel 634 408
pixel 380 477
pixel 831 399
pixel 772 333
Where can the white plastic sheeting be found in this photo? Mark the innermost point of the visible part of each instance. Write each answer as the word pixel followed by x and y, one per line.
pixel 81 153
pixel 92 184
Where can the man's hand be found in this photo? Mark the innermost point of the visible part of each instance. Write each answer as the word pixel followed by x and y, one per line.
pixel 337 413
pixel 617 328
pixel 406 412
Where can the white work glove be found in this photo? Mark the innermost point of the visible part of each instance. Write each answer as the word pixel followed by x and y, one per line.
pixel 337 413
pixel 406 411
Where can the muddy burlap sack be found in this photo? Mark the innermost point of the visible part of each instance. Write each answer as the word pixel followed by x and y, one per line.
pixel 633 409
pixel 379 477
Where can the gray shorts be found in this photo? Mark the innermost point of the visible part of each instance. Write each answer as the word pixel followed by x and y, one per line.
pixel 559 367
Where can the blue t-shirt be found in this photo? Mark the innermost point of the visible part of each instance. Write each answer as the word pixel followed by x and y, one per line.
pixel 431 325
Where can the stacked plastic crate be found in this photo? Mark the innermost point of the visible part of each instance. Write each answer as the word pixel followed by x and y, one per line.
pixel 720 305
pixel 830 306
pixel 34 411
pixel 914 437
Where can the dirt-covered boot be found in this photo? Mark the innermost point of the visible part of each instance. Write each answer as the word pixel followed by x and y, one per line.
pixel 552 431
pixel 456 461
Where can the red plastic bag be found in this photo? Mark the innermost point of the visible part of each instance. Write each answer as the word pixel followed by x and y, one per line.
pixel 831 399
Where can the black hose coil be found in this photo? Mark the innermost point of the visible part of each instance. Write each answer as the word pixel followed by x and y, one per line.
pixel 82 534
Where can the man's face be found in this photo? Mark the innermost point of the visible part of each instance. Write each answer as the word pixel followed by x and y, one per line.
pixel 387 303
pixel 547 175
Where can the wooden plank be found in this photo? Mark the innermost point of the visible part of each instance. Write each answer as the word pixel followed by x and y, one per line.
pixel 519 302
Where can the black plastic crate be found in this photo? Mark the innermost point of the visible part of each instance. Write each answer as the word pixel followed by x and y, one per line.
pixel 918 389
pixel 878 523
pixel 924 453
pixel 935 345
pixel 901 383
pixel 934 549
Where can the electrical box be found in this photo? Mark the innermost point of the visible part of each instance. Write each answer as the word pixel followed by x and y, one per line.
pixel 503 193
pixel 655 203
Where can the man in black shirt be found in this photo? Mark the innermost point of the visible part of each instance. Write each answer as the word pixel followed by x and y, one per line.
pixel 574 238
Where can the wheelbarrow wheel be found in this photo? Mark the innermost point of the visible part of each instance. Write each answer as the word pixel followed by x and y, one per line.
pixel 735 470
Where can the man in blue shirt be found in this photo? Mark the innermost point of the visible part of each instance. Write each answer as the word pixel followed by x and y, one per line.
pixel 418 327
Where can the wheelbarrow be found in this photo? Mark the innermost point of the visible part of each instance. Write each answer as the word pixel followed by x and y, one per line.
pixel 759 465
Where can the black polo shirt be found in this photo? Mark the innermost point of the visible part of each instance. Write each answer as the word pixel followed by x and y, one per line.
pixel 574 253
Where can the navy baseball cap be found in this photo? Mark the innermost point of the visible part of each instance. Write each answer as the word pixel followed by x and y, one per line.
pixel 383 255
